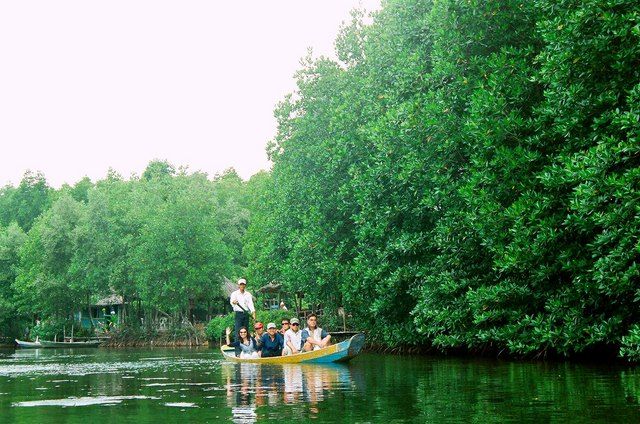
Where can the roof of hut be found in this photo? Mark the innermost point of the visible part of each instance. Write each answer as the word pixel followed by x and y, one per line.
pixel 272 287
pixel 228 286
pixel 113 299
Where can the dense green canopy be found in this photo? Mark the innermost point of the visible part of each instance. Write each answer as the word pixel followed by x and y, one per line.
pixel 466 175
pixel 167 240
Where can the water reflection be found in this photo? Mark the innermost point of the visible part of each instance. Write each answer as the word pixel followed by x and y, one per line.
pixel 188 385
pixel 250 386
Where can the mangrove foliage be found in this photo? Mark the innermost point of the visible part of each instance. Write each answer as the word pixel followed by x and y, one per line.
pixel 465 175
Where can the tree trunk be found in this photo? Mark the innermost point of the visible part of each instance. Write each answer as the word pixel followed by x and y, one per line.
pixel 122 310
pixel 190 311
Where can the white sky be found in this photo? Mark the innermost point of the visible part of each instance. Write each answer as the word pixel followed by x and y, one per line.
pixel 87 85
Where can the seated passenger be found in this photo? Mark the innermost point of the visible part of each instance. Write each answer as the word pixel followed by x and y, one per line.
pixel 246 344
pixel 314 337
pixel 285 326
pixel 272 342
pixel 258 332
pixel 293 339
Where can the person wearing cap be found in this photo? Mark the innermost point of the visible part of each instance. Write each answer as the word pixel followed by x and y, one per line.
pixel 314 337
pixel 272 342
pixel 292 338
pixel 285 326
pixel 242 303
pixel 258 328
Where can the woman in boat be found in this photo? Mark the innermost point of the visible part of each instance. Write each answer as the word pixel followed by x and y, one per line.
pixel 247 345
pixel 272 342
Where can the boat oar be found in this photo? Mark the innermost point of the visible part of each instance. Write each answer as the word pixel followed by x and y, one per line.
pixel 243 310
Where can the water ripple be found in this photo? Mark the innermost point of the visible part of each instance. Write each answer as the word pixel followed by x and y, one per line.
pixel 81 401
pixel 80 369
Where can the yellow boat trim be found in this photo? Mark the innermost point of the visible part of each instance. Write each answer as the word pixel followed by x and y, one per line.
pixel 342 349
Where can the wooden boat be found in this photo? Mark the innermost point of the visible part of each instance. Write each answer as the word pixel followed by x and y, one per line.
pixel 340 352
pixel 91 343
pixel 28 345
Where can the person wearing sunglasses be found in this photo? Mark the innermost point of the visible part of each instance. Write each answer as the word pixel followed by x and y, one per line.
pixel 245 343
pixel 258 328
pixel 285 326
pixel 292 338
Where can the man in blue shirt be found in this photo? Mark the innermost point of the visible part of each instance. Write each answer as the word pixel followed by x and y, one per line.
pixel 272 342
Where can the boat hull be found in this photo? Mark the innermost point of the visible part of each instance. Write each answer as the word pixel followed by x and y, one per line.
pixel 340 352
pixel 28 345
pixel 50 344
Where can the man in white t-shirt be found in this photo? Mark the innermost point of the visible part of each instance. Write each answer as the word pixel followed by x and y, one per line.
pixel 242 304
pixel 292 338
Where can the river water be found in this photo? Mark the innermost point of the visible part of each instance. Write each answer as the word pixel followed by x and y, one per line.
pixel 196 385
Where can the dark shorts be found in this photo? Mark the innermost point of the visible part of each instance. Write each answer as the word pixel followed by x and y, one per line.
pixel 241 320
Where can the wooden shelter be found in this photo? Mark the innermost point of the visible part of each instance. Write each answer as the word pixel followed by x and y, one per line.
pixel 272 295
pixel 105 310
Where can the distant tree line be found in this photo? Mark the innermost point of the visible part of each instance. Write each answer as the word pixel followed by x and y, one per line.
pixel 466 175
pixel 163 241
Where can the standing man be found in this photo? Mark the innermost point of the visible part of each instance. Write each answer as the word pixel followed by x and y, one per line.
pixel 242 304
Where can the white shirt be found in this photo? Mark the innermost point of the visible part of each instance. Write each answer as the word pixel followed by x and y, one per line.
pixel 293 337
pixel 315 334
pixel 244 299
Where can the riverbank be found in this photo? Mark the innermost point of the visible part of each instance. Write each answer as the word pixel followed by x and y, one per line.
pixel 155 343
pixel 196 337
pixel 141 337
pixel 602 355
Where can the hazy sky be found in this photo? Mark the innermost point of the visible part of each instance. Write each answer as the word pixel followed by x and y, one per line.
pixel 87 85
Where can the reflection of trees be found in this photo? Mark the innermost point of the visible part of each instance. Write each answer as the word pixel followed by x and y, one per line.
pixel 481 391
pixel 381 388
pixel 409 389
pixel 631 385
